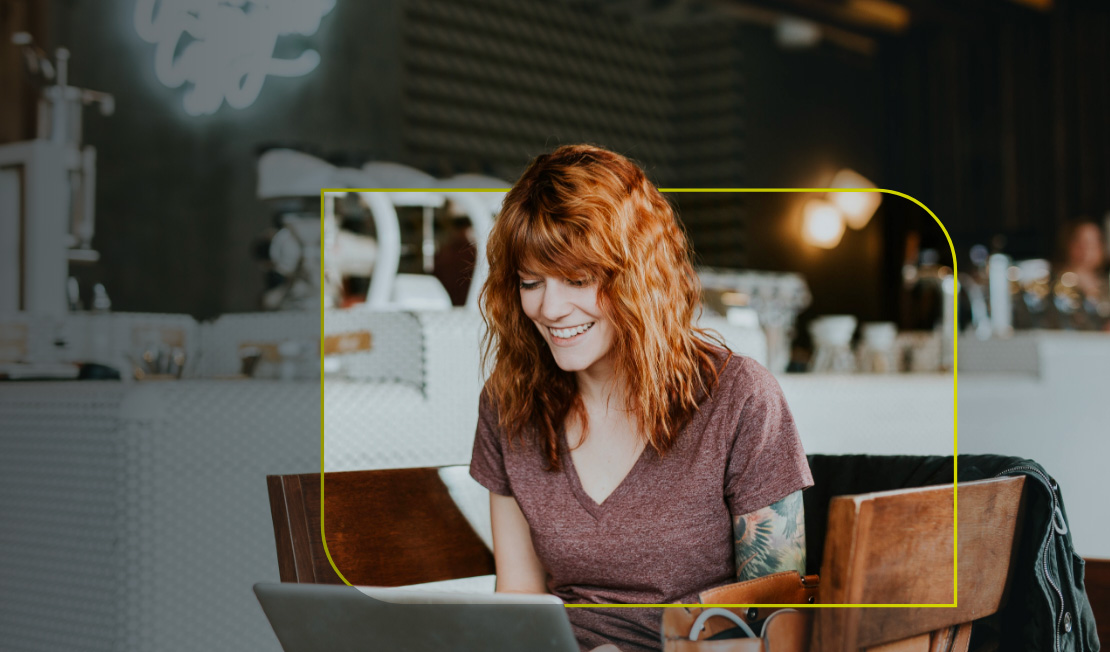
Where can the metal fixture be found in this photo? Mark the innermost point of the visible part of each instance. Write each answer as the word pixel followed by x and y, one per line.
pixel 48 189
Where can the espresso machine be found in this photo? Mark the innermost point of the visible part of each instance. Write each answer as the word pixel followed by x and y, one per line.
pixel 48 191
pixel 312 199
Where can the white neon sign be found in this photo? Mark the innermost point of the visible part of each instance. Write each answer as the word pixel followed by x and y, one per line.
pixel 225 48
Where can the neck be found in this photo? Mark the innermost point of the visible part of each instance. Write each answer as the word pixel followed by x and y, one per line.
pixel 599 385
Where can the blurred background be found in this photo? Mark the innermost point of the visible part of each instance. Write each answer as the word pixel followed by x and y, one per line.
pixel 992 113
pixel 161 226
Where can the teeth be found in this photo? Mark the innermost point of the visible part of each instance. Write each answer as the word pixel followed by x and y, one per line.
pixel 567 333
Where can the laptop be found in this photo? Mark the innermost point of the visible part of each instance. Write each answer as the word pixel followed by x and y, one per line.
pixel 334 618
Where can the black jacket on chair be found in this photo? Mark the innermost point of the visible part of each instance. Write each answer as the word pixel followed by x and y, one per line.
pixel 1047 609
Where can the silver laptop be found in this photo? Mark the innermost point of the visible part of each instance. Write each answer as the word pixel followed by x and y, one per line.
pixel 323 617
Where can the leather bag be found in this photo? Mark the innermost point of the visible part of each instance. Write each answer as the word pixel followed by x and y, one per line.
pixel 688 629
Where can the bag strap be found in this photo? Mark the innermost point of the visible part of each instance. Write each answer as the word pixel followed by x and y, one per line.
pixel 787 630
pixel 699 623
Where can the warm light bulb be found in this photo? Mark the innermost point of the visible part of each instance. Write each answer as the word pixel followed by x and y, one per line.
pixel 857 207
pixel 822 224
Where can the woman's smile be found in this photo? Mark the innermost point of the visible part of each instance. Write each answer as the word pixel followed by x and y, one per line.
pixel 571 335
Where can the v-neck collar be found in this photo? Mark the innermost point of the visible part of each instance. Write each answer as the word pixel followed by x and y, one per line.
pixel 595 509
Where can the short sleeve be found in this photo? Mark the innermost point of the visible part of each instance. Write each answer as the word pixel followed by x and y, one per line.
pixel 487 462
pixel 766 461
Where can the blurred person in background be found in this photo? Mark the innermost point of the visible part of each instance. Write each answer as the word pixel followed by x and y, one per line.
pixel 455 256
pixel 1081 287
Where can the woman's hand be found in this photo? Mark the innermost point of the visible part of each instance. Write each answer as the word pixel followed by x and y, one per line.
pixel 518 568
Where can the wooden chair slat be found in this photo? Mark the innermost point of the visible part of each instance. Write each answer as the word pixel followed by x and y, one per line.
pixel 895 547
pixel 384 528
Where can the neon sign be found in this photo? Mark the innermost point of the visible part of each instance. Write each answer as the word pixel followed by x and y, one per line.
pixel 225 48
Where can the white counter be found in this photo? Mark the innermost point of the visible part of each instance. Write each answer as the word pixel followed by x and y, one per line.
pixel 1060 417
pixel 906 414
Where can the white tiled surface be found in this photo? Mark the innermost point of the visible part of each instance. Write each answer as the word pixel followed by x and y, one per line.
pixel 136 517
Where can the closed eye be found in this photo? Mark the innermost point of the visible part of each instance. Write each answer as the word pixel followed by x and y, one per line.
pixel 574 283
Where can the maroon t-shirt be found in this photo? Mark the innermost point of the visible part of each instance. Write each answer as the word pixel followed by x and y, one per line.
pixel 665 533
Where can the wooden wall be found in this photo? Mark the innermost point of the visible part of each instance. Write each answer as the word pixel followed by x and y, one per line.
pixel 809 113
pixel 999 121
pixel 17 99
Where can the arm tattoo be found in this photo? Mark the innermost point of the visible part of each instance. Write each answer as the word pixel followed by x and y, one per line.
pixel 771 540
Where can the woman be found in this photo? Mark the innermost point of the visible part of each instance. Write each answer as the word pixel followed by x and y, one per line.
pixel 629 459
pixel 1082 295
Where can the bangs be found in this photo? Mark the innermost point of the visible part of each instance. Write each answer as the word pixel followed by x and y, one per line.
pixel 550 246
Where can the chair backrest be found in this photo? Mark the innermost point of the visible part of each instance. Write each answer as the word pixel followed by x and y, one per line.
pixel 896 547
pixel 386 527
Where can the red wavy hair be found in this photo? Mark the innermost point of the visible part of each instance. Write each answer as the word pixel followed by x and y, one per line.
pixel 585 211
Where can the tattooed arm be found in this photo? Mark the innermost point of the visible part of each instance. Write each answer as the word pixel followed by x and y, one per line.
pixel 771 540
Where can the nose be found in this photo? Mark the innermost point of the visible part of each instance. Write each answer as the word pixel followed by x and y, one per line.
pixel 556 302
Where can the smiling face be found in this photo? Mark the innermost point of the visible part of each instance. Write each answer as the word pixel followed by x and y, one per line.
pixel 568 317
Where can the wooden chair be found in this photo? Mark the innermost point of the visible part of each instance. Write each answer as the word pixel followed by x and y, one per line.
pixel 1098 592
pixel 895 547
pixel 384 528
pixel 400 526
